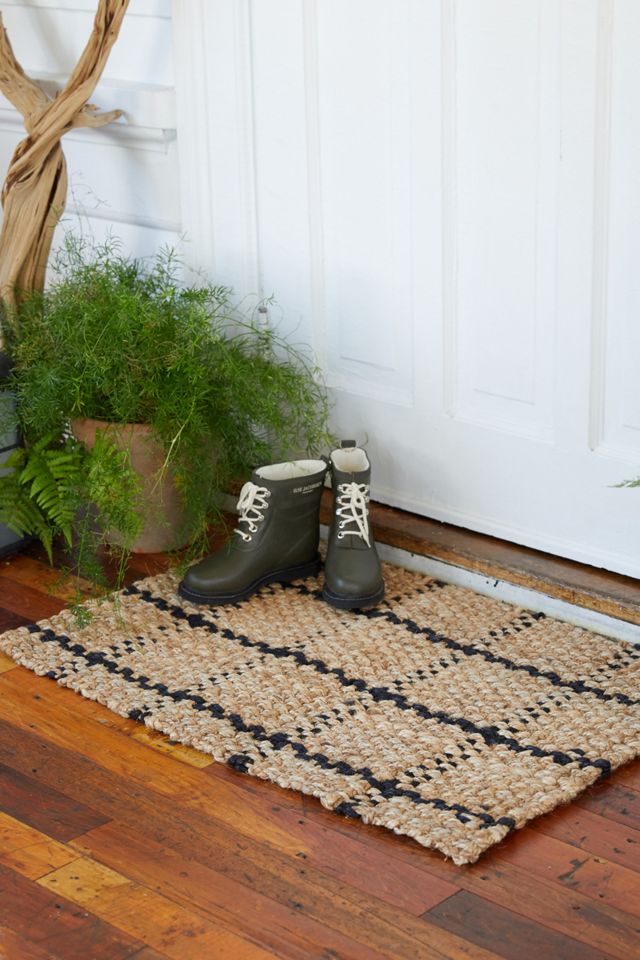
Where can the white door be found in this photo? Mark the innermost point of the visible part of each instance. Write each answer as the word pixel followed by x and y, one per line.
pixel 444 197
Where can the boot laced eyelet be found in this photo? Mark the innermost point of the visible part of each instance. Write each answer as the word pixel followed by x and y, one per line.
pixel 352 508
pixel 251 504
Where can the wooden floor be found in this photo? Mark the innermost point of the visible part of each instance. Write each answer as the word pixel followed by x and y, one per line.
pixel 116 843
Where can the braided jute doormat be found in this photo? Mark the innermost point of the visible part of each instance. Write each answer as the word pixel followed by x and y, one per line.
pixel 445 715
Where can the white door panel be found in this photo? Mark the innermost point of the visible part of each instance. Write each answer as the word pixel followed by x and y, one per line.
pixel 444 197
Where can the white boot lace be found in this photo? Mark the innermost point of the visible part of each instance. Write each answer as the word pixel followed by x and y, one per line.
pixel 252 501
pixel 352 508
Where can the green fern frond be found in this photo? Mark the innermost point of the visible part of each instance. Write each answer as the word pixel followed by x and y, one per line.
pixel 53 475
pixel 19 512
pixel 39 495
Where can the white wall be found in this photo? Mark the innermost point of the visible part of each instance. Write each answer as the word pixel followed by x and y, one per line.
pixel 123 179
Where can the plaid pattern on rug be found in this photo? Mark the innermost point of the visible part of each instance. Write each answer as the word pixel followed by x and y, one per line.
pixel 442 714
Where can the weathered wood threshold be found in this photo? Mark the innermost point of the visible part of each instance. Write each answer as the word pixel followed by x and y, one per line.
pixel 611 594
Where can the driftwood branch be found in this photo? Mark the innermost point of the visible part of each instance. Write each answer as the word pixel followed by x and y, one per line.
pixel 35 188
pixel 90 117
pixel 23 92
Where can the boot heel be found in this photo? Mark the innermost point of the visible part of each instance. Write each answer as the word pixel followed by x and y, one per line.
pixel 352 603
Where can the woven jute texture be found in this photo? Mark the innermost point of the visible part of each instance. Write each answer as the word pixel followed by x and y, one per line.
pixel 444 715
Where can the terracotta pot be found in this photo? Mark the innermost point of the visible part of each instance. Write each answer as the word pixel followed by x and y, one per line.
pixel 165 522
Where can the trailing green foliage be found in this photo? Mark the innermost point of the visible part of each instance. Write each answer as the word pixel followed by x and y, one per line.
pixel 125 341
pixel 629 483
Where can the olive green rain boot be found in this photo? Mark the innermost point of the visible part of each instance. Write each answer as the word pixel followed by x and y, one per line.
pixel 352 574
pixel 276 538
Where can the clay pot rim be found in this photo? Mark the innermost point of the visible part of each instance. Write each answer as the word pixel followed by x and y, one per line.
pixel 94 423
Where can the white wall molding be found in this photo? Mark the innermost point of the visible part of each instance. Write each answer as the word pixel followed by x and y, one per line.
pixel 449 210
pixel 314 178
pixel 212 40
pixel 159 9
pixel 601 218
pixel 149 114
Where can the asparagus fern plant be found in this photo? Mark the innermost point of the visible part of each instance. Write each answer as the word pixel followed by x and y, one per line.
pixel 124 340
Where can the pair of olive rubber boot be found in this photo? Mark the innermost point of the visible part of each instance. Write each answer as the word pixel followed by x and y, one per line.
pixel 276 539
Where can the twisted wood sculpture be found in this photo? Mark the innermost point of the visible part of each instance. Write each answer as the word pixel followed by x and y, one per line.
pixel 35 188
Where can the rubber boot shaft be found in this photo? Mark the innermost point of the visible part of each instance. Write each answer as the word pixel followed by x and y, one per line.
pixel 353 576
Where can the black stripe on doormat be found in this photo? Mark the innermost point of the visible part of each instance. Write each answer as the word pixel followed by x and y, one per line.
pixel 490 734
pixel 389 789
pixel 469 650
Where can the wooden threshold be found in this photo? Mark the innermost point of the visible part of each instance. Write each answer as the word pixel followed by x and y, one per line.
pixel 595 589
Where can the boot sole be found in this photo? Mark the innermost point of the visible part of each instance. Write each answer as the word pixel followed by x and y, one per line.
pixel 299 572
pixel 352 603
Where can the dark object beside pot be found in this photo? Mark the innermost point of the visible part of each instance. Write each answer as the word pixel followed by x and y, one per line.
pixel 10 541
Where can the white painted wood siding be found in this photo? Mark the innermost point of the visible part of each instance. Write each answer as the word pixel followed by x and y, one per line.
pixel 123 179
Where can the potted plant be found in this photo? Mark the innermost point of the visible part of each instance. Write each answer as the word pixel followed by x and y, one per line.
pixel 144 398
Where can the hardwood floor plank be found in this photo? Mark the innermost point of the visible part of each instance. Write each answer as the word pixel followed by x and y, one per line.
pixel 345 858
pixel 44 808
pixel 27 753
pixel 30 852
pixel 51 921
pixel 629 775
pixel 11 621
pixel 281 877
pixel 27 570
pixel 15 947
pixel 592 876
pixel 140 912
pixel 6 663
pixel 27 602
pixel 147 953
pixel 617 802
pixel 589 831
pixel 514 937
pixel 283 928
